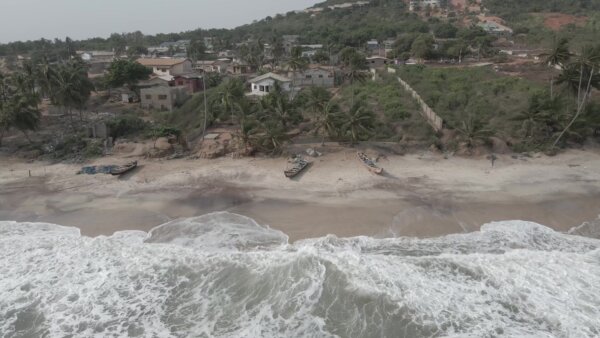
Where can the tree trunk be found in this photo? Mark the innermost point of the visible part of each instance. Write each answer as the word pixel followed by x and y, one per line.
pixel 1 136
pixel 27 136
pixel 579 108
pixel 579 88
pixel 552 87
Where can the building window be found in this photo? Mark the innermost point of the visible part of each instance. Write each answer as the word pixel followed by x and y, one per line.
pixel 254 87
pixel 320 76
pixel 309 76
pixel 148 97
pixel 162 97
pixel 267 89
pixel 261 88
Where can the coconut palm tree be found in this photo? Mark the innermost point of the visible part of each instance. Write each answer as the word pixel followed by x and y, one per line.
pixel 278 105
pixel 244 109
pixel 296 63
pixel 26 115
pixel 71 88
pixel 559 55
pixel 357 121
pixel 355 71
pixel 327 120
pixel 472 131
pixel 270 136
pixel 231 92
pixel 316 98
pixel 587 65
pixel 541 115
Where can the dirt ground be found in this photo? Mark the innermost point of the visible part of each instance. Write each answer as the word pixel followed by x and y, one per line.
pixel 555 21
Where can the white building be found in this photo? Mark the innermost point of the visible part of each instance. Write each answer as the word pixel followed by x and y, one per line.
pixel 264 84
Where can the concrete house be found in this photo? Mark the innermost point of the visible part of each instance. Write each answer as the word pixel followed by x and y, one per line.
pixel 240 68
pixel 192 82
pixel 99 61
pixel 289 42
pixel 162 97
pixel 263 85
pixel 167 66
pixel 373 45
pixel 315 75
pixel 378 62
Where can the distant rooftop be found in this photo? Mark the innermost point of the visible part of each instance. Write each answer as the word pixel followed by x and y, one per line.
pixel 167 62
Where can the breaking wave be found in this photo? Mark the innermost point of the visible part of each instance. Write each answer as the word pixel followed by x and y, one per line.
pixel 223 275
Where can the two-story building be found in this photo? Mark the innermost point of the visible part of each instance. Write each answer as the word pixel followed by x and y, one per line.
pixel 163 97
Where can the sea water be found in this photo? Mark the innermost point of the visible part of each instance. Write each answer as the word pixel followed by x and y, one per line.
pixel 223 275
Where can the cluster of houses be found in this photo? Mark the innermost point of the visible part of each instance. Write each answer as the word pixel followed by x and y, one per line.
pixel 175 77
pixel 346 5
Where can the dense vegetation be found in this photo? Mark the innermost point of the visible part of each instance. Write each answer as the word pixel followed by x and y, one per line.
pixel 479 103
pixel 511 8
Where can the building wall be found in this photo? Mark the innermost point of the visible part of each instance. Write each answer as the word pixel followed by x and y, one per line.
pixel 377 62
pixel 184 67
pixel 192 85
pixel 314 77
pixel 264 87
pixel 162 98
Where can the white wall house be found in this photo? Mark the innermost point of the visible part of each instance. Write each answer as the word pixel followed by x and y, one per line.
pixel 167 66
pixel 264 84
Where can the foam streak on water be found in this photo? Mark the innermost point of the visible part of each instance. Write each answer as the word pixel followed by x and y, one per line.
pixel 223 275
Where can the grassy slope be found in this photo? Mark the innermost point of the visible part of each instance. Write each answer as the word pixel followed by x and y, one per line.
pixel 457 93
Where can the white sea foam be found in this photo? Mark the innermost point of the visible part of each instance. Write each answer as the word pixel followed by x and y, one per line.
pixel 223 275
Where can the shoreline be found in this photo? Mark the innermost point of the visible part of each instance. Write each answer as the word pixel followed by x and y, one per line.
pixel 421 195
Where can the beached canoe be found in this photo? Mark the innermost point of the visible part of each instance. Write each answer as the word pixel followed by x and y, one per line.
pixel 369 164
pixel 122 169
pixel 298 165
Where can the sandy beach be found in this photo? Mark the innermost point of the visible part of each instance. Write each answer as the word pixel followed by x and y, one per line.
pixel 421 194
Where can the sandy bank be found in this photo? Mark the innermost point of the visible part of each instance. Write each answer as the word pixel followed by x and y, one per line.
pixel 420 195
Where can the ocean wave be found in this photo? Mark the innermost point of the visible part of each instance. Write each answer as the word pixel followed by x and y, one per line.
pixel 223 275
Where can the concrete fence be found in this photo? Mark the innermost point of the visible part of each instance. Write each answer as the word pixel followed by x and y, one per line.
pixel 432 118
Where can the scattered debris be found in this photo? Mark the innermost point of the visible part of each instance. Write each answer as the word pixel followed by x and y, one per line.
pixel 313 153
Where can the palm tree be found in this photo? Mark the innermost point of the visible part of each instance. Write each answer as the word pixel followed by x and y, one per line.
pixel 247 125
pixel 588 63
pixel 272 136
pixel 71 88
pixel 355 71
pixel 327 120
pixel 44 75
pixel 316 98
pixel 541 113
pixel 473 130
pixel 232 91
pixel 357 121
pixel 559 55
pixel 26 115
pixel 278 105
pixel 18 105
pixel 5 113
pixel 297 63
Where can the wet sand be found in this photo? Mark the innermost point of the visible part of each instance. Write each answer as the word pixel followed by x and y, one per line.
pixel 420 196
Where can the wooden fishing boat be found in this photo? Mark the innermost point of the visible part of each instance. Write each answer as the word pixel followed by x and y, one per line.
pixel 298 165
pixel 122 169
pixel 369 164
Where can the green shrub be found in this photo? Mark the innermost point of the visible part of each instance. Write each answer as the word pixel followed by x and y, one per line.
pixel 126 125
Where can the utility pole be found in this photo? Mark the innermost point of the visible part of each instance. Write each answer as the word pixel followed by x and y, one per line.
pixel 205 104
